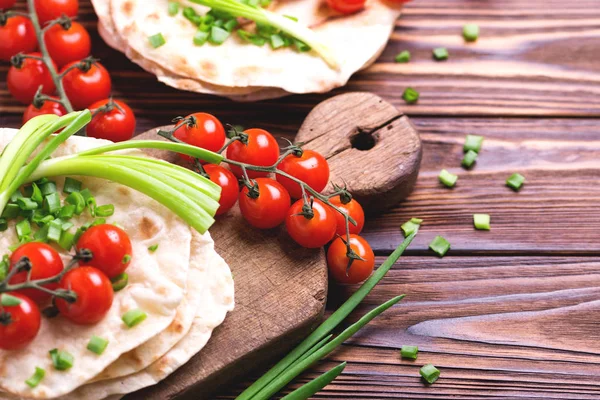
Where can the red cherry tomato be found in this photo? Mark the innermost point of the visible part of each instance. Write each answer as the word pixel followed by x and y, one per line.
pixel 110 247
pixel 45 263
pixel 115 125
pixel 23 325
pixel 86 84
pixel 16 36
pixel 311 232
pixel 49 107
pixel 311 168
pixel 23 82
pixel 270 208
pixel 201 130
pixel 6 4
pixel 51 9
pixel 262 149
pixel 346 6
pixel 229 186
pixel 352 208
pixel 69 44
pixel 338 261
pixel 94 295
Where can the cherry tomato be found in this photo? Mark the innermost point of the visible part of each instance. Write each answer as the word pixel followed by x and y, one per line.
pixel 311 168
pixel 94 295
pixel 229 186
pixel 270 208
pixel 6 4
pixel 86 84
pixel 311 232
pixel 110 247
pixel 338 261
pixel 23 82
pixel 49 107
pixel 69 44
pixel 262 149
pixel 115 125
pixel 23 325
pixel 16 36
pixel 45 263
pixel 352 208
pixel 346 6
pixel 201 130
pixel 51 9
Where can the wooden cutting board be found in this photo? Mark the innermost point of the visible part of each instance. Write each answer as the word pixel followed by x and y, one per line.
pixel 281 288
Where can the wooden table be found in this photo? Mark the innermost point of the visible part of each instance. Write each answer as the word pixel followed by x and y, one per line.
pixel 511 313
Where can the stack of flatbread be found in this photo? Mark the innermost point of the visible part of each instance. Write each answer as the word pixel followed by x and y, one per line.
pixel 184 286
pixel 240 70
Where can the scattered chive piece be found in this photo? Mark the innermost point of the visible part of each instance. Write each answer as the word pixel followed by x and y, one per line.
pixel 252 38
pixel 447 178
pixel 417 221
pixel 77 200
pixel 3 224
pixel 230 25
pixel 440 54
pixel 469 159
pixel 515 181
pixel 90 200
pixel 54 230
pixel 429 373
pixel 62 360
pixel 119 282
pixel 42 234
pixel 153 248
pixel 157 40
pixel 11 211
pixel 440 246
pixel 25 203
pixel 409 227
pixel 23 229
pixel 105 210
pixel 9 301
pixel 301 46
pixel 66 241
pixel 481 221
pixel 71 185
pixel 98 221
pixel 200 37
pixel 403 57
pixel 276 41
pixel 217 35
pixel 173 8
pixel 410 95
pixel 126 258
pixel 36 378
pixel 471 32
pixel 97 345
pixel 3 267
pixel 133 317
pixel 36 194
pixel 47 188
pixel 67 211
pixel 52 203
pixel 473 142
pixel 409 352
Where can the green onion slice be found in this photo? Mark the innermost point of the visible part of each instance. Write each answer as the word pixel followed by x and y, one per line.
pixel 9 301
pixel 471 32
pixel 119 282
pixel 201 37
pixel 157 40
pixel 25 203
pixel 11 211
pixel 403 57
pixel 97 345
pixel 77 200
pixel 409 352
pixel 429 373
pixel 36 378
pixel 71 185
pixel 440 54
pixel 469 159
pixel 481 221
pixel 217 35
pixel 447 178
pixel 410 95
pixel 52 203
pixel 515 181
pixel 440 246
pixel 61 359
pixel 105 210
pixel 133 317
pixel 411 226
pixel 473 142
pixel 23 229
pixel 153 248
pixel 173 8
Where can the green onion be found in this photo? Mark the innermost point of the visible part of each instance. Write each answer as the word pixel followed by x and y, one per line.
pixel 119 282
pixel 251 38
pixel 481 221
pixel 218 35
pixel 447 178
pixel 469 159
pixel 89 199
pixel 173 8
pixel 308 390
pixel 429 373
pixel 25 203
pixel 36 378
pixel 440 246
pixel 276 41
pixel 42 234
pixel 133 317
pixel 200 37
pixel 66 241
pixel 23 229
pixel 410 95
pixel 16 195
pixel 71 185
pixel 52 203
pixel 62 360
pixel 36 194
pixel 515 181
pixel 54 230
pixel 471 32
pixel 47 188
pixel 66 211
pixel 411 226
pixel 105 210
pixel 157 40
pixel 230 25
pixel 3 267
pixel 301 46
pixel 77 200
pixel 153 248
pixel 190 14
pixel 97 345
pixel 99 221
pixel 3 224
pixel 403 57
pixel 126 258
pixel 440 54
pixel 7 300
pixel 409 352
pixel 473 142
pixel 11 211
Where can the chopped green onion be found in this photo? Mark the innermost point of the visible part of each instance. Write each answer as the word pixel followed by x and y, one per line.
pixel 62 360
pixel 98 221
pixel 440 246
pixel 77 200
pixel 119 282
pixel 126 258
pixel 66 241
pixel 218 35
pixel 105 210
pixel 409 227
pixel 153 248
pixel 90 200
pixel 410 95
pixel 157 40
pixel 200 37
pixel 471 32
pixel 54 230
pixel 36 378
pixel 133 317
pixel 447 178
pixel 47 188
pixel 23 229
pixel 7 300
pixel 469 159
pixel 3 224
pixel 409 352
pixel 308 390
pixel 42 234
pixel 403 57
pixel 473 142
pixel 173 8
pixel 13 197
pixel 440 54
pixel 52 203
pixel 252 38
pixel 25 203
pixel 67 211
pixel 71 185
pixel 11 211
pixel 190 14
pixel 429 373
pixel 417 221
pixel 481 221
pixel 3 267
pixel 276 41
pixel 97 345
pixel 230 25
pixel 301 46
pixel 36 194
pixel 515 181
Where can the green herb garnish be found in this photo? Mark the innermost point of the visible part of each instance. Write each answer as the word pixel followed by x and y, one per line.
pixel 105 210
pixel 469 159
pixel 429 373
pixel 133 317
pixel 201 37
pixel 36 378
pixel 153 248
pixel 440 246
pixel 173 8
pixel 515 181
pixel 97 345
pixel 119 282
pixel 481 221
pixel 62 360
pixel 71 185
pixel 403 57
pixel 440 54
pixel 410 95
pixel 473 142
pixel 157 40
pixel 447 178
pixel 409 352
pixel 471 32
pixel 8 300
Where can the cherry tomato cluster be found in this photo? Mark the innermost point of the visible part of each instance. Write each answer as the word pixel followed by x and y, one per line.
pixel 86 83
pixel 90 282
pixel 266 202
pixel 353 6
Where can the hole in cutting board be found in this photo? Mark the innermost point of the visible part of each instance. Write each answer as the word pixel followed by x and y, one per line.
pixel 363 140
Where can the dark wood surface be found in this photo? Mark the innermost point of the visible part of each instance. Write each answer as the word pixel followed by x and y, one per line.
pixel 511 313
